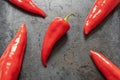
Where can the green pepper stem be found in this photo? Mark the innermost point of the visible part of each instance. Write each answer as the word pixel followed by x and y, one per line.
pixel 66 18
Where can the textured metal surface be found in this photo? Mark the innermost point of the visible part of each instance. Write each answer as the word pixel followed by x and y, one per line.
pixel 70 58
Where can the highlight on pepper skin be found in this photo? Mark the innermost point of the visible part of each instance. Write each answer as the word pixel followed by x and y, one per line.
pixel 29 6
pixel 107 68
pixel 100 10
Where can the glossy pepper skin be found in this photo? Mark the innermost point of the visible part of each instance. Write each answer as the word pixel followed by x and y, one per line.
pixel 11 60
pixel 99 11
pixel 29 6
pixel 109 70
pixel 57 28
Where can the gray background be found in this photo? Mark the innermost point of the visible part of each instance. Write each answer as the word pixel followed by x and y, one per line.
pixel 70 59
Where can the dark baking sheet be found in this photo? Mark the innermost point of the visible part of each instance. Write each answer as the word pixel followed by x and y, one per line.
pixel 70 58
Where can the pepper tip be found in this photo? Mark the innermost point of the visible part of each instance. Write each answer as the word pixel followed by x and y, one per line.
pixel 42 14
pixel 45 65
pixel 92 52
pixel 44 62
pixel 86 31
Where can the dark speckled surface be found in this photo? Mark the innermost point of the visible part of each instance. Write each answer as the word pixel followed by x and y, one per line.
pixel 70 58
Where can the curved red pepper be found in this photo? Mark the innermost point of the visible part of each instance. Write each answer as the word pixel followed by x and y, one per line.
pixel 99 11
pixel 29 6
pixel 11 60
pixel 57 28
pixel 109 70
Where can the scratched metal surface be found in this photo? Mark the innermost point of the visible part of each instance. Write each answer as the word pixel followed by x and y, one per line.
pixel 70 58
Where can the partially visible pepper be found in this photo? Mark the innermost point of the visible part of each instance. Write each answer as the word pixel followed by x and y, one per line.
pixel 29 6
pixel 11 60
pixel 99 11
pixel 57 28
pixel 109 70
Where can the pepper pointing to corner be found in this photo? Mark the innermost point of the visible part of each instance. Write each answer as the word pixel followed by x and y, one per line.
pixel 99 11
pixel 108 69
pixel 29 6
pixel 11 60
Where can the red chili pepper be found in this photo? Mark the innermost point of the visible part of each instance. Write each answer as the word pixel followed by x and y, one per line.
pixel 109 70
pixel 11 60
pixel 29 6
pixel 57 28
pixel 99 11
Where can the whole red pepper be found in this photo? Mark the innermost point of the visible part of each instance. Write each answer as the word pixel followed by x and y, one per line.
pixel 11 60
pixel 29 6
pixel 109 70
pixel 57 28
pixel 99 11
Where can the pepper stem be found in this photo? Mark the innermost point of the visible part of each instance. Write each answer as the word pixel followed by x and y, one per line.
pixel 66 18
